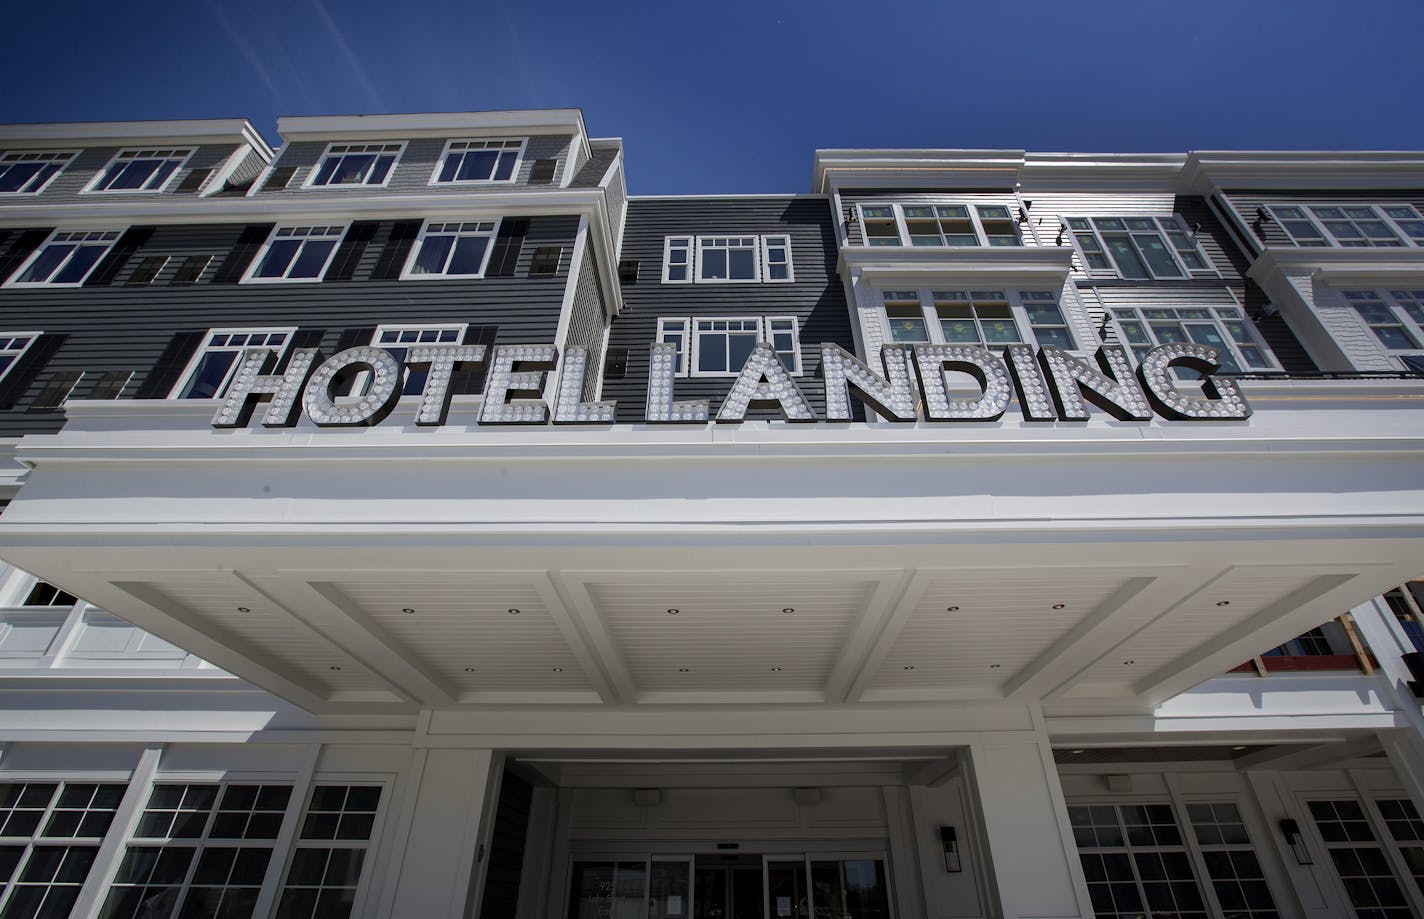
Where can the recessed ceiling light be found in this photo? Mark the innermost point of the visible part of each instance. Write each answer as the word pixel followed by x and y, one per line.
pixel 993 666
pixel 558 669
pixel 243 609
pixel 469 669
pixel 407 609
pixel 684 669
pixel 788 609
pixel 1223 602
pixel 909 666
pixel 1075 752
pixel 673 612
pixel 951 609
pixel 513 612
pixel 775 669
pixel 1238 748
pixel 1059 605
pixel 333 667
pixel 1128 663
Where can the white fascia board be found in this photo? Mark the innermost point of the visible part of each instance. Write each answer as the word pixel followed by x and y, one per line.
pixel 1112 172
pixel 434 124
pixel 12 471
pixel 924 169
pixel 1340 267
pixel 306 208
pixel 983 266
pixel 1207 171
pixel 129 133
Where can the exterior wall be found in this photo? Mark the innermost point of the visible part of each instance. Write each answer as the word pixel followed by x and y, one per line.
pixel 814 298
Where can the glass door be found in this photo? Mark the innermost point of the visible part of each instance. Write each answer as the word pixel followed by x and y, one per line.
pixel 670 888
pixel 787 893
pixel 852 888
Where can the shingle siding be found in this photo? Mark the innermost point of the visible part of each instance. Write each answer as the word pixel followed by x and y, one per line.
pixel 816 298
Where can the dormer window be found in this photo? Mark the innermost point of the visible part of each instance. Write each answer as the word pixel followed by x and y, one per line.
pixel 939 225
pixel 29 172
pixel 356 164
pixel 1139 247
pixel 65 259
pixel 474 161
pixel 140 170
pixel 1351 225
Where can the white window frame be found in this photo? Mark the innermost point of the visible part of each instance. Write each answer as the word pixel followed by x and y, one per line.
pixel 695 246
pixel 487 143
pixel 60 158
pixel 370 846
pixel 682 337
pixel 346 149
pixel 1323 231
pixel 181 154
pixel 15 352
pixel 288 231
pixel 407 272
pixel 106 237
pixel 429 333
pixel 692 364
pixel 39 840
pixel 1162 227
pixel 1139 315
pixel 1395 301
pixel 208 347
pixel 976 219
pixel 1018 311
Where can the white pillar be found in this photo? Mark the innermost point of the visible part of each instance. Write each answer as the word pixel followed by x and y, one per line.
pixel 1404 746
pixel 1034 861
pixel 442 834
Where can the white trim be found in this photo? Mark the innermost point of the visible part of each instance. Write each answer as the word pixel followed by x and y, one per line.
pixel 763 332
pixel 934 331
pixel 1308 210
pixel 761 257
pixel 250 275
pixel 684 340
pixel 684 242
pixel 766 262
pixel 33 337
pixel 21 156
pixel 316 168
pixel 513 175
pixel 14 279
pixel 971 206
pixel 729 243
pixel 206 346
pixel 93 187
pixel 406 272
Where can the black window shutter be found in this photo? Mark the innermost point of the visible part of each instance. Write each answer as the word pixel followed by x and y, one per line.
pixel 355 338
pixel 393 256
pixel 24 371
pixel 109 267
pixel 506 248
pixel 278 178
pixel 542 172
pixel 242 254
pixel 164 375
pixel 24 244
pixel 353 246
pixel 302 338
pixel 466 382
pixel 194 180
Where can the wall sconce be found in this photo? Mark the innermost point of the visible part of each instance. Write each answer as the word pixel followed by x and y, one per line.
pixel 1291 831
pixel 1023 217
pixel 950 842
pixel 1059 240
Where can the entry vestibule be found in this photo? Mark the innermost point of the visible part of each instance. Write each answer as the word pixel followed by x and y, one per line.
pixel 731 886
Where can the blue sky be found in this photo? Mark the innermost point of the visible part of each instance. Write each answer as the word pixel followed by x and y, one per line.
pixel 735 96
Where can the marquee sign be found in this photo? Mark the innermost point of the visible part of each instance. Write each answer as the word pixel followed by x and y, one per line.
pixel 913 383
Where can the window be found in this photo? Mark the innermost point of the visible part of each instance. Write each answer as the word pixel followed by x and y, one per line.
pixel 474 161
pixel 28 173
pixel 939 225
pixel 55 390
pixel 1396 316
pixel 397 339
pixel 451 250
pixel 330 852
pixel 727 259
pixel 1351 225
pixel 1359 860
pixel 976 317
pixel 1231 862
pixel 720 347
pixel 49 837
pixel 1135 862
pixel 1223 328
pixel 210 370
pixel 1405 827
pixel 140 170
pixel 191 269
pixel 147 269
pixel 198 850
pixel 1139 247
pixel 545 261
pixel 12 345
pixel 355 164
pixel 628 272
pixel 65 259
pixel 295 254
pixel 46 594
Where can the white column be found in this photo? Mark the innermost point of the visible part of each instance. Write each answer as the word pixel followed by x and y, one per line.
pixel 442 829
pixel 106 862
pixel 1404 746
pixel 1034 862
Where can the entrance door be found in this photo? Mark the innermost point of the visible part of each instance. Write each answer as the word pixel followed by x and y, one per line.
pixel 728 890
pixel 787 893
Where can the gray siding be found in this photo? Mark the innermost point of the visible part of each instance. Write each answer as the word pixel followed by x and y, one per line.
pixel 817 297
pixel 250 168
pixel 413 170
pixel 66 187
pixel 587 322
pixel 124 327
pixel 591 173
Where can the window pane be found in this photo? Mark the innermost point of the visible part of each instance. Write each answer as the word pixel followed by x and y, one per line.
pixel 433 253
pixel 279 256
pixel 469 255
pixel 714 264
pixel 1128 262
pixel 312 260
pixel 1157 256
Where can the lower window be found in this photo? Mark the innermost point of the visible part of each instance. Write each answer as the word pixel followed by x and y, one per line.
pixel 975 317
pixel 50 834
pixel 1360 861
pixel 325 871
pixel 211 369
pixel 1136 862
pixel 1223 328
pixel 709 346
